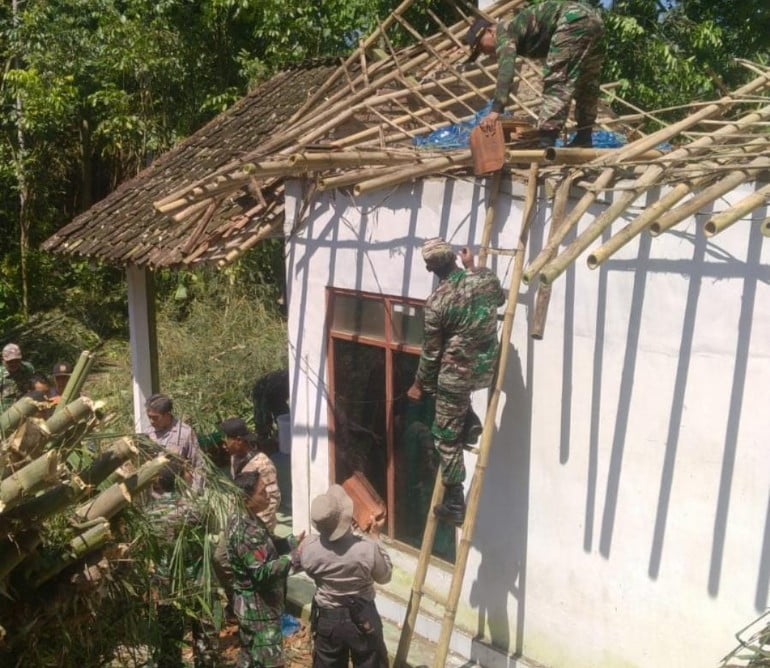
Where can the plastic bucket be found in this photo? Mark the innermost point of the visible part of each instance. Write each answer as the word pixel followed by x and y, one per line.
pixel 284 433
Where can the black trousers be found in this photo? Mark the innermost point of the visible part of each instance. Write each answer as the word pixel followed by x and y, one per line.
pixel 337 638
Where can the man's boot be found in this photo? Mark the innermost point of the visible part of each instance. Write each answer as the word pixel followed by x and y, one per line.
pixel 472 428
pixel 582 139
pixel 452 508
pixel 547 138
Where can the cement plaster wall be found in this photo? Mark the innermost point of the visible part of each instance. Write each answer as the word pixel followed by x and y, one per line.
pixel 625 519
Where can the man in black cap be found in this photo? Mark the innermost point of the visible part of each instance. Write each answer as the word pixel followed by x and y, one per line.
pixel 61 376
pixel 568 35
pixel 344 566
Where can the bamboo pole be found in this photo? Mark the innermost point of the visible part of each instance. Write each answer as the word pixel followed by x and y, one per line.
pixel 27 442
pixel 116 497
pixel 349 178
pixel 69 414
pixel 51 502
pixel 556 266
pixel 477 482
pixel 579 156
pixel 543 296
pixel 489 218
pixel 765 227
pixel 27 480
pixel 629 152
pixel 76 381
pixel 40 570
pixel 15 549
pixel 15 414
pixel 458 159
pixel 721 187
pixel 723 220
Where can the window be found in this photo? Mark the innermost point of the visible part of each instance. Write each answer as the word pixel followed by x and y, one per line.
pixel 374 347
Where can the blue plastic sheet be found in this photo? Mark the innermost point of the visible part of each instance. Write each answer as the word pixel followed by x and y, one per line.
pixel 289 624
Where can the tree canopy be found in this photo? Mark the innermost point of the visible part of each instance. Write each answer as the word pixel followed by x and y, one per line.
pixel 92 90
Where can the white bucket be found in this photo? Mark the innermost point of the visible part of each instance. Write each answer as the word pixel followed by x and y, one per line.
pixel 284 433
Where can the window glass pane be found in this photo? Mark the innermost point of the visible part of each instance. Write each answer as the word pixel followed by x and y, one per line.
pixel 359 315
pixel 407 324
pixel 359 413
pixel 416 462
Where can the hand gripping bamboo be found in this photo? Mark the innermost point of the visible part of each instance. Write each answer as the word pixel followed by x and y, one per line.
pixel 477 482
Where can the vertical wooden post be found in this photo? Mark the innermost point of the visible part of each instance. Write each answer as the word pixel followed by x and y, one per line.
pixel 143 340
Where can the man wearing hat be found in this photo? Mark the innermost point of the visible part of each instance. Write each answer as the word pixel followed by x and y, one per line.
pixel 345 566
pixel 568 35
pixel 15 376
pixel 61 376
pixel 459 353
pixel 245 456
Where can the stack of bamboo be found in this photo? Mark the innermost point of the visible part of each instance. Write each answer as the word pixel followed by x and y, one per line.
pixel 43 484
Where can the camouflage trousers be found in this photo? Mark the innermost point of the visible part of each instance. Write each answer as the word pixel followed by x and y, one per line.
pixel 451 410
pixel 572 69
pixel 261 643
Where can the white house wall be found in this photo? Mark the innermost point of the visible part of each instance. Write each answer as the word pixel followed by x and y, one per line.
pixel 625 519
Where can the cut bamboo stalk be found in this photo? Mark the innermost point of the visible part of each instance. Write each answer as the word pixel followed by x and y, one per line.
pixel 68 415
pixel 543 296
pixel 76 381
pixel 629 152
pixel 27 442
pixel 722 221
pixel 555 267
pixel 479 471
pixel 721 187
pixel 766 227
pixel 15 414
pixel 116 497
pixel 331 182
pixel 108 461
pixel 39 570
pixel 458 159
pixel 51 502
pixel 579 156
pixel 29 479
pixel 15 549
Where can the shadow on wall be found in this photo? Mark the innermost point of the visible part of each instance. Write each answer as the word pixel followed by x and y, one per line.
pixel 505 496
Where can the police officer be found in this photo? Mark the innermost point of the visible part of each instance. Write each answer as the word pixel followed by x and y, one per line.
pixel 345 566
pixel 568 35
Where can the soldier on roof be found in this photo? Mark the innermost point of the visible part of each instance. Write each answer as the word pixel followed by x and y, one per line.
pixel 568 35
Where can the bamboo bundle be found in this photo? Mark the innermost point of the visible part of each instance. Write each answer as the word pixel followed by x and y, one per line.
pixel 27 480
pixel 116 497
pixel 555 267
pixel 459 159
pixel 108 462
pixel 53 501
pixel 39 570
pixel 723 220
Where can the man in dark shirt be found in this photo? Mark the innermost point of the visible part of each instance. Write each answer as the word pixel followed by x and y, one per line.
pixel 568 35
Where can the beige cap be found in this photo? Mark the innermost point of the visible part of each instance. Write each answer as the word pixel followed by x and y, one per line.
pixel 332 513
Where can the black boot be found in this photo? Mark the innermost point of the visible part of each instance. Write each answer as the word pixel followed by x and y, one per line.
pixel 471 428
pixel 546 138
pixel 582 139
pixel 452 508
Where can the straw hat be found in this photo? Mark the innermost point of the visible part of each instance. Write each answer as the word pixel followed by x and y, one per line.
pixel 332 513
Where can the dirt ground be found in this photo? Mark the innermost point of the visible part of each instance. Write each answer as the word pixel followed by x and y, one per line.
pixel 297 647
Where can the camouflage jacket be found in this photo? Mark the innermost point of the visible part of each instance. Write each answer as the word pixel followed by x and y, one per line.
pixel 459 347
pixel 529 33
pixel 14 387
pixel 260 563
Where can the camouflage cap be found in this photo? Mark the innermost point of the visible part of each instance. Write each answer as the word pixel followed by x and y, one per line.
pixel 11 352
pixel 437 249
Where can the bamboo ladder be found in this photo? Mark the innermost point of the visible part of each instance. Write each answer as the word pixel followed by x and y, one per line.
pixel 450 602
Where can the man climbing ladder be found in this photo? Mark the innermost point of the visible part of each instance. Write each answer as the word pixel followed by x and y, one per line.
pixel 459 352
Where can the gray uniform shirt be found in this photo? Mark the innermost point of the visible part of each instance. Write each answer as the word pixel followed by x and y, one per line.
pixel 179 439
pixel 346 567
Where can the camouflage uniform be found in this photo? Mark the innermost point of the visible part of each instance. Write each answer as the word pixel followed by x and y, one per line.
pixel 568 35
pixel 259 582
pixel 459 352
pixel 14 387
